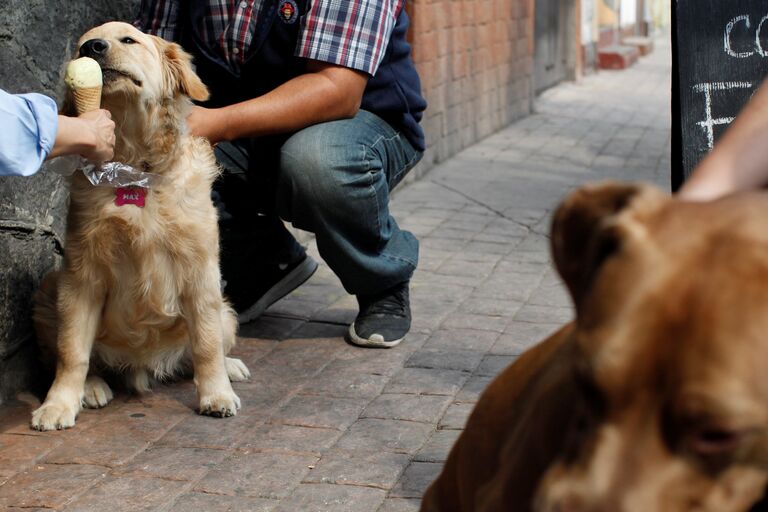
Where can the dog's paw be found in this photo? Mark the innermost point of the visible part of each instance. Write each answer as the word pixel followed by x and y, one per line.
pixel 53 416
pixel 236 369
pixel 220 405
pixel 97 392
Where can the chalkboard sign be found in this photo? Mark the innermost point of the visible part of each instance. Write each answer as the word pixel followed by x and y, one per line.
pixel 720 58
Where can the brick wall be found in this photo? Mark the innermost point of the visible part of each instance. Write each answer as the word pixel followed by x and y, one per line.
pixel 475 62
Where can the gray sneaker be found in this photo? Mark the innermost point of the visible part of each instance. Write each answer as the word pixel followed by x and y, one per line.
pixel 384 318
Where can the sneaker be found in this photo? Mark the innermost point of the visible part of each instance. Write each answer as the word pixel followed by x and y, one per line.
pixel 384 319
pixel 270 285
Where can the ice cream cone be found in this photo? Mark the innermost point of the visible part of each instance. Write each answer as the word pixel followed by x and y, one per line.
pixel 87 99
pixel 83 76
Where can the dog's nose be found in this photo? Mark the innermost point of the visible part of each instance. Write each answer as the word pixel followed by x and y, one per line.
pixel 94 48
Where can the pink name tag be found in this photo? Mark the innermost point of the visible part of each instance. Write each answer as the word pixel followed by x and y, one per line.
pixel 130 195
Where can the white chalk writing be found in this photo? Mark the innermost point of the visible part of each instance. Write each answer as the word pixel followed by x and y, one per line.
pixel 710 122
pixel 758 44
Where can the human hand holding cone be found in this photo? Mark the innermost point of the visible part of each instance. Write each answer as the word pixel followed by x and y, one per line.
pixel 83 77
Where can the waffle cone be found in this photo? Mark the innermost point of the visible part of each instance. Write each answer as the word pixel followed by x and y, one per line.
pixel 87 99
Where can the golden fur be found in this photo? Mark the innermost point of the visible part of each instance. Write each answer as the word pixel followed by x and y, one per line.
pixel 655 398
pixel 139 289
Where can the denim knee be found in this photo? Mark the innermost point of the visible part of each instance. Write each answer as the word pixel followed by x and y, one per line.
pixel 316 168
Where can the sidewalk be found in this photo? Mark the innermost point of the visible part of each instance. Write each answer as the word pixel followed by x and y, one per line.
pixel 326 426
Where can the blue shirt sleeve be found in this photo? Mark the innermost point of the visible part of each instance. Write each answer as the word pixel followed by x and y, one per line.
pixel 29 123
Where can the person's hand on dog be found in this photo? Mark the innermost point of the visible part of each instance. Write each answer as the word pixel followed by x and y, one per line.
pixel 91 135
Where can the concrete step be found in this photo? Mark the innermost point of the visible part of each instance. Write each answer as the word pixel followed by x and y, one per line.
pixel 643 44
pixel 617 56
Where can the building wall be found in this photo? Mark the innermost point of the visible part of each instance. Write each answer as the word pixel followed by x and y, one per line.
pixel 475 59
pixel 36 37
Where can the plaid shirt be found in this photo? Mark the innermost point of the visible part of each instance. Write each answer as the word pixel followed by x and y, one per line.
pixel 349 33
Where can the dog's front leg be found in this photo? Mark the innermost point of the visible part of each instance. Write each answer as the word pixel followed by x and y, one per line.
pixel 202 310
pixel 79 309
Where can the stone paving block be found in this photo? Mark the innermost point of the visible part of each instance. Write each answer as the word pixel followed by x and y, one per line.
pixel 257 474
pixel 290 438
pixel 456 416
pixel 400 505
pixel 345 382
pixel 209 433
pixel 332 498
pixel 544 314
pixel 487 247
pixel 421 408
pixel 462 339
pixel 366 435
pixel 376 362
pixel 49 485
pixel 320 411
pixel 269 327
pixel 197 501
pixel 380 470
pixel 438 446
pixel 494 364
pixel 475 321
pixel 414 482
pixel 290 307
pixel 18 451
pixel 425 381
pixel 128 494
pixel 251 349
pixel 445 359
pixel 491 307
pixel 473 388
pixel 172 463
pixel 136 424
pixel 314 346
pixel 509 287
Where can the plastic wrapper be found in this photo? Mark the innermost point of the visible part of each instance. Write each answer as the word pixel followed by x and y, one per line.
pixel 110 174
pixel 116 174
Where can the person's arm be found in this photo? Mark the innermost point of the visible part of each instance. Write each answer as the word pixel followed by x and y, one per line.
pixel 326 93
pixel 91 135
pixel 29 123
pixel 739 160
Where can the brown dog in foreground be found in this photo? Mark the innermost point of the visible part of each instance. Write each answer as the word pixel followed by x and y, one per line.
pixel 139 291
pixel 655 399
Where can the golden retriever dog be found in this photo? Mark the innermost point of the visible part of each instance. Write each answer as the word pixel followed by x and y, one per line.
pixel 139 289
pixel 655 399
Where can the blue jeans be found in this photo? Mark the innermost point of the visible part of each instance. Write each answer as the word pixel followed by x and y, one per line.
pixel 333 179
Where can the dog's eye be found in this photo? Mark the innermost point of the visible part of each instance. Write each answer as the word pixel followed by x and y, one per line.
pixel 712 441
pixel 128 40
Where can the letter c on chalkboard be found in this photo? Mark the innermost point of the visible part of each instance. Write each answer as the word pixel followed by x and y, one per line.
pixel 759 48
pixel 729 29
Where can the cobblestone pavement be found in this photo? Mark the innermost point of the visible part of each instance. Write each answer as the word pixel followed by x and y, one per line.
pixel 328 426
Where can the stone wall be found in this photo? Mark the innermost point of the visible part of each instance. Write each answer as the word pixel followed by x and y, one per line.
pixel 475 59
pixel 36 38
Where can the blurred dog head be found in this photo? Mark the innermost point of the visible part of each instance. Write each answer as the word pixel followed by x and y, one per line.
pixel 671 353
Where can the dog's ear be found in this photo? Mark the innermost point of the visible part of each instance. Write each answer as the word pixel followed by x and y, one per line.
pixel 588 228
pixel 179 74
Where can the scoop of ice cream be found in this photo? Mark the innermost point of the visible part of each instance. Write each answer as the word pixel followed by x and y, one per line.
pixel 83 73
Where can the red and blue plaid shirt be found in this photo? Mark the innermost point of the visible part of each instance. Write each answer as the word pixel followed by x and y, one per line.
pixel 349 33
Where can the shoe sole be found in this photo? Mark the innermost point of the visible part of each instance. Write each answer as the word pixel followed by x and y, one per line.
pixel 286 285
pixel 366 342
